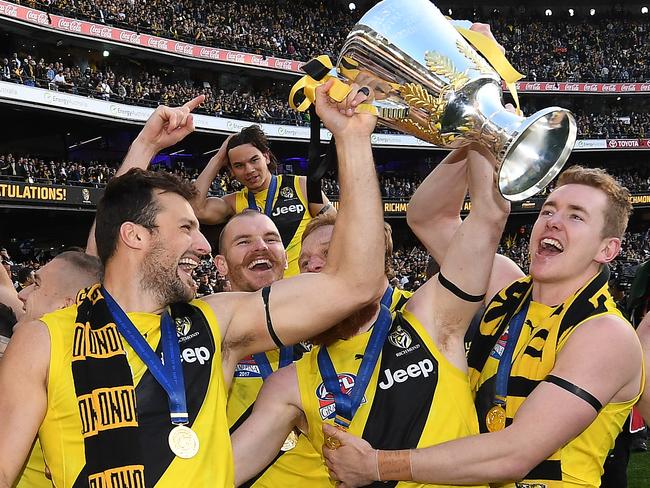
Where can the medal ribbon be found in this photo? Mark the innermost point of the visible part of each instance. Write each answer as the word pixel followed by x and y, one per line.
pixel 347 405
pixel 270 196
pixel 262 361
pixel 505 363
pixel 170 373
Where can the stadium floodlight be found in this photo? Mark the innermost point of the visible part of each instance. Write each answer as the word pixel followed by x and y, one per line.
pixel 106 54
pixel 571 12
pixel 352 6
pixel 451 12
pixel 592 12
pixel 548 12
pixel 644 10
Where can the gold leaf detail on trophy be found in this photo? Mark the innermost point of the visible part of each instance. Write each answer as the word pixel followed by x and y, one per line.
pixel 479 63
pixel 443 66
pixel 417 96
pixel 430 134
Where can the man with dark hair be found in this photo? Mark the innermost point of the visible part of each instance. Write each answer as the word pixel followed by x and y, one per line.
pixel 403 375
pixel 283 198
pixel 554 366
pixel 90 378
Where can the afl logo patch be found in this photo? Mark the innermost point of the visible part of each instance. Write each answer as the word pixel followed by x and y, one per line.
pixel 400 338
pixel 327 406
pixel 183 326
pixel 286 192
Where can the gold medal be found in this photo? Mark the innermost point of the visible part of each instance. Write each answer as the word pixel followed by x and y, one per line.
pixel 496 418
pixel 333 442
pixel 290 442
pixel 183 442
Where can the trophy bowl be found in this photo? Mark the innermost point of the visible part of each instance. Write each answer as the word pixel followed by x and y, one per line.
pixel 435 86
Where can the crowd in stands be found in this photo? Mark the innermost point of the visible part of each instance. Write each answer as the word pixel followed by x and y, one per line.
pixel 393 186
pixel 267 105
pixel 150 88
pixel 609 48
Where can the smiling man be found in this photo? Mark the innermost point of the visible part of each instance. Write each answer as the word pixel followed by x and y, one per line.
pixel 283 198
pixel 554 366
pixel 126 387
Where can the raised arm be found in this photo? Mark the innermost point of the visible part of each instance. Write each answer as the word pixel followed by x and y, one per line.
pixel 8 294
pixel 302 306
pixel 23 396
pixel 467 264
pixel 434 210
pixel 279 400
pixel 212 210
pixel 643 331
pixel 165 127
pixel 510 454
pixel 434 214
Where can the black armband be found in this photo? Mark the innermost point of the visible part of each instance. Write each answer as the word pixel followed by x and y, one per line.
pixel 325 209
pixel 576 390
pixel 266 291
pixel 458 292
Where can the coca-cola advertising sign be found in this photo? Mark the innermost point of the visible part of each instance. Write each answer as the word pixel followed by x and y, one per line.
pixel 101 31
pixel 8 9
pixel 209 53
pixel 574 87
pixel 69 25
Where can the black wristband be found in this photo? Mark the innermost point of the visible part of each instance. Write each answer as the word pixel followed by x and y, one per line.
pixel 266 291
pixel 576 390
pixel 458 292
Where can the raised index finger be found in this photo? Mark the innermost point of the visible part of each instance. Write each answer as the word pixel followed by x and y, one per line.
pixel 195 102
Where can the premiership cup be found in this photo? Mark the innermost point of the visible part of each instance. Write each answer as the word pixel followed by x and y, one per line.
pixel 431 83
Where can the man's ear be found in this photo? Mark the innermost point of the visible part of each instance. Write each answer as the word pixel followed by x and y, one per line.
pixel 221 265
pixel 609 250
pixel 133 235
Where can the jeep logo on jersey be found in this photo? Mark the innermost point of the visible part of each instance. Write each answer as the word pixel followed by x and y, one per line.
pixel 290 209
pixel 327 406
pixel 183 326
pixel 421 368
pixel 400 338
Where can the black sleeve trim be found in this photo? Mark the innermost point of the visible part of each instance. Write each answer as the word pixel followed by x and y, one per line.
pixel 576 390
pixel 266 291
pixel 458 292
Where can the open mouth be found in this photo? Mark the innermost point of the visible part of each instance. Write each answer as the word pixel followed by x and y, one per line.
pixel 550 247
pixel 260 265
pixel 187 265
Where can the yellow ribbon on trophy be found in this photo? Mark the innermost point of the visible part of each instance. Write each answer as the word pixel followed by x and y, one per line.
pixel 492 53
pixel 319 71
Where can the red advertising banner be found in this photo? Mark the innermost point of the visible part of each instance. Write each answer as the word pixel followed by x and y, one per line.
pixel 569 87
pixel 115 34
pixel 628 143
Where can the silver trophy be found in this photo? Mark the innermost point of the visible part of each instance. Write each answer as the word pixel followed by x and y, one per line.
pixel 431 83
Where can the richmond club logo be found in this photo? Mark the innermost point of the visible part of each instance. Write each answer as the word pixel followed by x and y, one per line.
pixel 400 338
pixel 183 326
